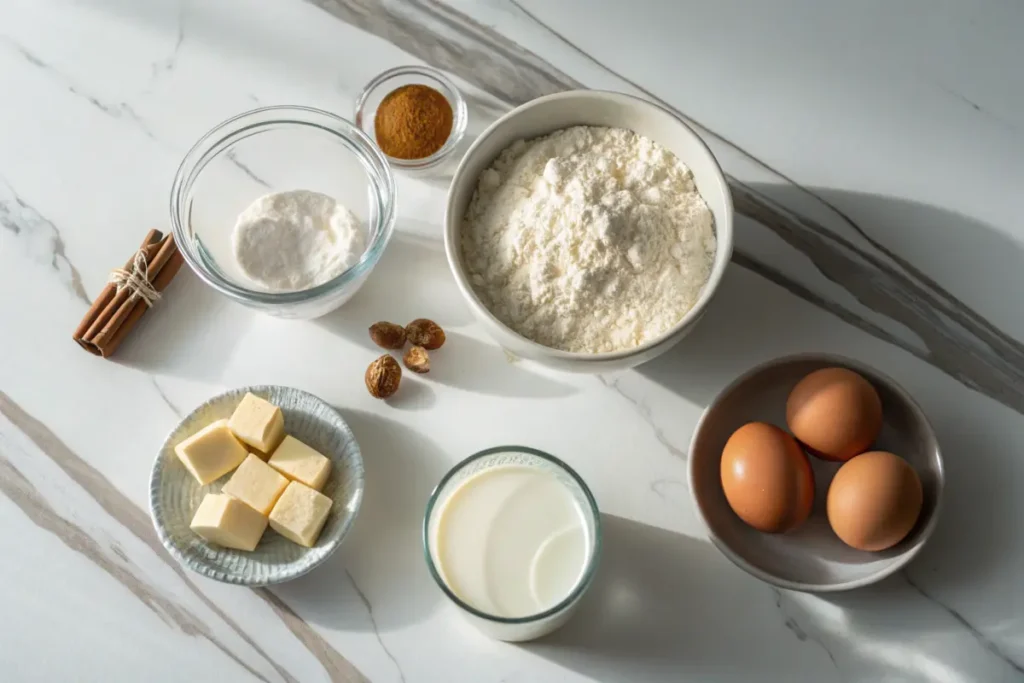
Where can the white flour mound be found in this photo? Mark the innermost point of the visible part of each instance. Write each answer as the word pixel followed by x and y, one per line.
pixel 588 240
pixel 295 240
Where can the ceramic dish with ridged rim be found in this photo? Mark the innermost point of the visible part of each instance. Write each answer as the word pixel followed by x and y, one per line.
pixel 174 494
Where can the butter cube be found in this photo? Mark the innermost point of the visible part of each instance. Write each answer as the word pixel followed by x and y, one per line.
pixel 299 462
pixel 211 452
pixel 300 514
pixel 258 453
pixel 256 484
pixel 228 522
pixel 258 423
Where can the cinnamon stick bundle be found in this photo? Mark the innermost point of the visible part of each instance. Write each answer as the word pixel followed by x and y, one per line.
pixel 118 308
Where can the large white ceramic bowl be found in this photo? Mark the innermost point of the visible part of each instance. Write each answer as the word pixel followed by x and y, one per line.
pixel 589 108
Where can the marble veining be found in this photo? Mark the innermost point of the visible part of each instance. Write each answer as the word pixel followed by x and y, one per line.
pixel 117 110
pixel 982 639
pixel 88 147
pixel 39 234
pixel 233 158
pixel 166 399
pixel 798 632
pixel 953 338
pixel 644 411
pixel 23 494
pixel 135 520
pixel 373 622
pixel 165 66
pixel 338 669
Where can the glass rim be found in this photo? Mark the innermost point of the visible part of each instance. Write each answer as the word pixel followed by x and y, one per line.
pixel 589 570
pixel 238 127
pixel 460 116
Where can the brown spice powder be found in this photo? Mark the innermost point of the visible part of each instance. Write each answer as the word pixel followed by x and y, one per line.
pixel 413 122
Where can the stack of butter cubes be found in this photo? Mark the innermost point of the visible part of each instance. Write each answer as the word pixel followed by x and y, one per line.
pixel 277 479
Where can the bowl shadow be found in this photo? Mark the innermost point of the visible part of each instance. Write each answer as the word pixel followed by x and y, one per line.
pixel 975 547
pixel 487 369
pixel 378 579
pixel 191 333
pixel 412 281
pixel 750 322
pixel 663 607
pixel 414 393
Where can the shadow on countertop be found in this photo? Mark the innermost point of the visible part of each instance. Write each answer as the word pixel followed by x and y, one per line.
pixel 412 281
pixel 923 278
pixel 665 607
pixel 378 579
pixel 971 564
pixel 191 333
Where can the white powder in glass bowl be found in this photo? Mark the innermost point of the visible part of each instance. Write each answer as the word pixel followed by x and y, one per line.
pixel 295 240
pixel 588 240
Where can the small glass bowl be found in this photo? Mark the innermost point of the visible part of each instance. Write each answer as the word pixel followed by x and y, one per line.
pixel 392 79
pixel 515 629
pixel 275 149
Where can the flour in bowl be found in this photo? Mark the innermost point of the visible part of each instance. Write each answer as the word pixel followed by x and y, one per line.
pixel 588 240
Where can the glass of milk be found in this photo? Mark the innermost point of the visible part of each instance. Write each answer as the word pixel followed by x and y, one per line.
pixel 512 536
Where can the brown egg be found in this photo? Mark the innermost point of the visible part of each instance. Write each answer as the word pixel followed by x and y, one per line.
pixel 835 413
pixel 874 501
pixel 766 478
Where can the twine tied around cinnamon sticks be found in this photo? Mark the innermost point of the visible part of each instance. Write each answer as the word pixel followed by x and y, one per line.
pixel 136 280
pixel 129 293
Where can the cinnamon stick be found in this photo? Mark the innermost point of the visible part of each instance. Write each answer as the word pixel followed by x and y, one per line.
pixel 116 312
pixel 103 307
pixel 167 273
pixel 165 248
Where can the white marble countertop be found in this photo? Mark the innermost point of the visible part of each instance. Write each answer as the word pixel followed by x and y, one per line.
pixel 877 155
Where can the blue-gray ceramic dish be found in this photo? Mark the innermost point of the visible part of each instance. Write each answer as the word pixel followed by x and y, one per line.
pixel 174 494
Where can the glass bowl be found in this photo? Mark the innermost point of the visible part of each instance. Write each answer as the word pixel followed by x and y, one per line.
pixel 515 629
pixel 275 149
pixel 392 79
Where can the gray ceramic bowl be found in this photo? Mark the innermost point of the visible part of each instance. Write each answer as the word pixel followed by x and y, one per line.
pixel 811 558
pixel 174 494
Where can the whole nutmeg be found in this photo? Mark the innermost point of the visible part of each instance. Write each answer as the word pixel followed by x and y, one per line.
pixel 425 333
pixel 387 335
pixel 383 377
pixel 417 360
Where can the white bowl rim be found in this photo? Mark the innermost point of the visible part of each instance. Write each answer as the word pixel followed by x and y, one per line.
pixel 899 562
pixel 723 233
pixel 155 512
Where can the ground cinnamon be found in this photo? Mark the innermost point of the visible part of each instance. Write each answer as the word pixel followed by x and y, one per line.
pixel 413 122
